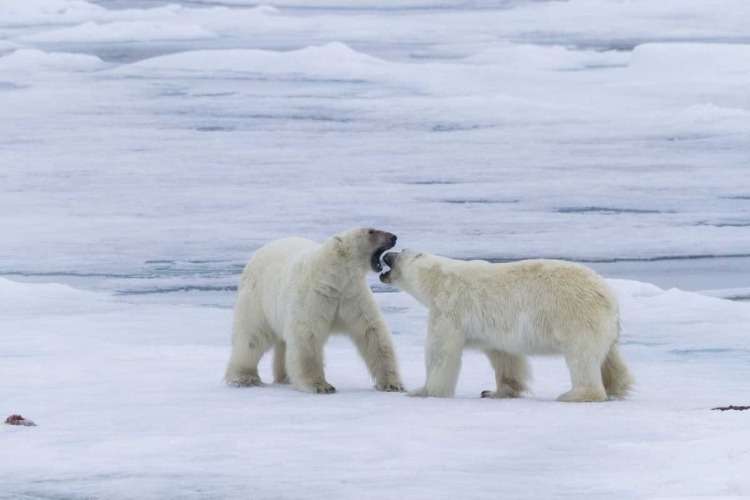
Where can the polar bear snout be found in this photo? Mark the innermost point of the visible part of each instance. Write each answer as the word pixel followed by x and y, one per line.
pixel 390 258
pixel 390 261
pixel 383 241
pixel 386 240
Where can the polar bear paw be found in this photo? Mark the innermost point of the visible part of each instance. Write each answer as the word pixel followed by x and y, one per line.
pixel 501 394
pixel 424 392
pixel 324 388
pixel 504 391
pixel 583 395
pixel 390 387
pixel 245 381
pixel 314 388
pixel 418 393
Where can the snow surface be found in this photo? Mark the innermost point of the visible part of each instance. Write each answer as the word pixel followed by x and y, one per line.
pixel 147 148
pixel 129 404
pixel 122 31
pixel 594 131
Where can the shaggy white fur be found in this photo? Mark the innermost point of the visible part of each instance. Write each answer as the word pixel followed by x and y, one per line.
pixel 294 293
pixel 510 311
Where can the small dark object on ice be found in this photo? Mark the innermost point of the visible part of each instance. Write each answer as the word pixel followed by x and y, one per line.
pixel 19 420
pixel 725 408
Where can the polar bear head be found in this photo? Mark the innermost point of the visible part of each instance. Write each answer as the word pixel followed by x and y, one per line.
pixel 402 269
pixel 407 271
pixel 364 245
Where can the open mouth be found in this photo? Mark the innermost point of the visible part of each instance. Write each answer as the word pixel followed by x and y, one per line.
pixel 375 263
pixel 388 260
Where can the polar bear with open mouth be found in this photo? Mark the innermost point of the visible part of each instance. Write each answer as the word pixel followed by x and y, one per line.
pixel 294 293
pixel 511 311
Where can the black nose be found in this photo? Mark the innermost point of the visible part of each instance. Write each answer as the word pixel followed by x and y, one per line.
pixel 393 239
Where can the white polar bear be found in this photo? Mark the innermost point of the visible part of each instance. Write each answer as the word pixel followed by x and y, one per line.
pixel 510 311
pixel 294 293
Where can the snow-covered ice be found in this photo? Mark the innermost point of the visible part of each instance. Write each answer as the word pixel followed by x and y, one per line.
pixel 122 31
pixel 129 404
pixel 147 148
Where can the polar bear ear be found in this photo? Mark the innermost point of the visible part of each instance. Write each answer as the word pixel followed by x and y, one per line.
pixel 340 247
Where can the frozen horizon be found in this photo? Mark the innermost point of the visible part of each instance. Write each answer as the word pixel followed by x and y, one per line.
pixel 185 137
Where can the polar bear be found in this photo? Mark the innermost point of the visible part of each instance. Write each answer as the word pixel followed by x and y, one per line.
pixel 510 311
pixel 294 293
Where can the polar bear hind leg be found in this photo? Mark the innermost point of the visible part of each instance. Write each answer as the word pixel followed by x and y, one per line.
pixel 251 339
pixel 511 374
pixel 242 370
pixel 586 377
pixel 280 375
pixel 615 374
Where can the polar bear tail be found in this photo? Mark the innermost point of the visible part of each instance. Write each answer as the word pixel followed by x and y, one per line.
pixel 616 376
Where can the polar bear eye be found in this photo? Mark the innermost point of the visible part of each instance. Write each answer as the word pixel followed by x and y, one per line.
pixel 371 231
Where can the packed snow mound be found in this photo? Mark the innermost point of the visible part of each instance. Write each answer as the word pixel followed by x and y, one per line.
pixel 343 4
pixel 29 60
pixel 740 293
pixel 555 57
pixel 710 112
pixel 258 9
pixel 38 16
pixel 163 13
pixel 123 31
pixel 330 60
pixel 698 59
pixel 53 7
pixel 29 12
pixel 5 45
pixel 23 300
pixel 632 289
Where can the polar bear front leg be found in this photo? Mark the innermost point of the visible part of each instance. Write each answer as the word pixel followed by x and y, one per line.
pixel 511 374
pixel 304 363
pixel 251 339
pixel 443 350
pixel 369 332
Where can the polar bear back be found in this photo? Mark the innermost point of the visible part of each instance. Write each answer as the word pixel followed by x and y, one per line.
pixel 541 300
pixel 272 273
pixel 550 280
pixel 273 260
